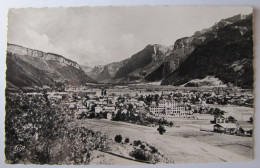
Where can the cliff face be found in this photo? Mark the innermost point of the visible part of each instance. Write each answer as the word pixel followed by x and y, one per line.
pixel 226 52
pixel 142 63
pixel 183 47
pixel 104 75
pixel 19 50
pixel 28 67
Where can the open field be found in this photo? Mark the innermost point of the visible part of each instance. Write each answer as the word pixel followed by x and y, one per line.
pixel 241 113
pixel 182 145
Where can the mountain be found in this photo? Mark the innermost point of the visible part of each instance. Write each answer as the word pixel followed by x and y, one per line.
pixel 104 75
pixel 225 52
pixel 87 69
pixel 185 46
pixel 98 71
pixel 142 63
pixel 28 67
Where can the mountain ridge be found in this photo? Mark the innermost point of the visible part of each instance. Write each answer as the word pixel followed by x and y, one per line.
pixel 23 63
pixel 228 57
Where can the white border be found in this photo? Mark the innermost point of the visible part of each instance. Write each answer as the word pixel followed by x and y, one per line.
pixel 5 4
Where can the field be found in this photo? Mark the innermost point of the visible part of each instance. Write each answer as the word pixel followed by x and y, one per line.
pixel 186 144
pixel 241 113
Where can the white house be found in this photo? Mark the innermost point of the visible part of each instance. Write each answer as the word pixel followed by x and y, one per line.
pixel 98 109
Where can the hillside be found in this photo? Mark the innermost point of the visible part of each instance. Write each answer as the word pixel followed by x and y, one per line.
pixel 185 46
pixel 142 63
pixel 28 67
pixel 228 55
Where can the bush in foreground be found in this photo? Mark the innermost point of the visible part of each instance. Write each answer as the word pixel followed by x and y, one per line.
pixel 127 140
pixel 118 138
pixel 161 129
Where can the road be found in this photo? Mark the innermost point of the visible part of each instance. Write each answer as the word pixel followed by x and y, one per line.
pixel 181 145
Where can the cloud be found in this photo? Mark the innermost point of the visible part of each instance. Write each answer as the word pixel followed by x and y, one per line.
pixel 128 40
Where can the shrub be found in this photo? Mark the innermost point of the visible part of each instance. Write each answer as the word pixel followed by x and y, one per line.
pixel 142 146
pixel 153 149
pixel 118 138
pixel 136 143
pixel 140 154
pixel 100 116
pixel 92 115
pixel 127 140
pixel 161 129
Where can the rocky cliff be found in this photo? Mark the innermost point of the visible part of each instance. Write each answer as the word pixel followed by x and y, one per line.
pixel 142 63
pixel 225 51
pixel 28 67
pixel 19 50
pixel 185 46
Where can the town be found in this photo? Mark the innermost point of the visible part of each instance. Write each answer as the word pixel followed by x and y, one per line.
pixel 121 102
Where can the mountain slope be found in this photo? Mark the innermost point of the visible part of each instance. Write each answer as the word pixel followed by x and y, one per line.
pixel 112 68
pixel 142 63
pixel 104 75
pixel 185 46
pixel 228 56
pixel 27 67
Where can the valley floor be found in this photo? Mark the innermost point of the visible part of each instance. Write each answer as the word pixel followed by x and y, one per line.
pixel 186 144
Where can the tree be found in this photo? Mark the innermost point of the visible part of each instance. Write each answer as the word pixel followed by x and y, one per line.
pixel 127 140
pixel 118 138
pixel 161 129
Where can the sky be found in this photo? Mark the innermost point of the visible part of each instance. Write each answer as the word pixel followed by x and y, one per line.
pixel 101 35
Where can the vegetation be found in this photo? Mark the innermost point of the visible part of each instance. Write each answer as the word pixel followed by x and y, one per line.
pixel 37 132
pixel 228 57
pixel 141 119
pixel 161 129
pixel 118 138
pixel 127 140
pixel 145 152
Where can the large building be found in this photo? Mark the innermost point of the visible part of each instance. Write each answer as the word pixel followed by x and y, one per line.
pixel 169 107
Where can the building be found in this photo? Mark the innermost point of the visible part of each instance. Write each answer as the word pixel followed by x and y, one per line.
pixel 244 128
pixel 109 116
pixel 229 128
pixel 98 109
pixel 225 118
pixel 109 108
pixel 169 107
pixel 219 119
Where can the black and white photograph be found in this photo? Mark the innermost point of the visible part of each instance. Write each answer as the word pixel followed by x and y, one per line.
pixel 129 85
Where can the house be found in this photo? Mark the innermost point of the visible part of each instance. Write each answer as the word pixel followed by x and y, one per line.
pixel 229 128
pixel 124 111
pixel 109 116
pixel 225 118
pixel 109 108
pixel 229 118
pixel 219 119
pixel 244 128
pixel 98 109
